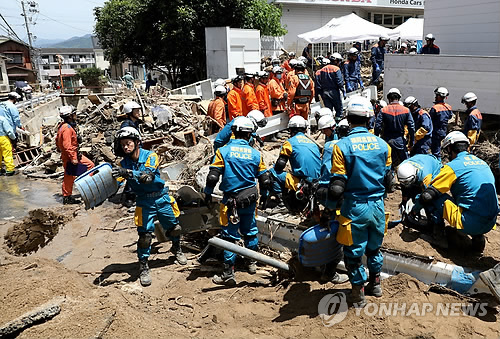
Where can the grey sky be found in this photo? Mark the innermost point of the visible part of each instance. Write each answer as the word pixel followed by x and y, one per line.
pixel 58 19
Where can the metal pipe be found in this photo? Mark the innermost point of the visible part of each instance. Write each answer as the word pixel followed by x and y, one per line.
pixel 245 252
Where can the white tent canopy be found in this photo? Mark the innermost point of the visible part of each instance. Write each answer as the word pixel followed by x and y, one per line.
pixel 412 29
pixel 347 28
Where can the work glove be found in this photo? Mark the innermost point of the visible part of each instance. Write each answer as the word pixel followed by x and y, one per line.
pixel 146 178
pixel 118 172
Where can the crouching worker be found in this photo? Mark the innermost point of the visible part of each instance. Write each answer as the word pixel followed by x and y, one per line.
pixel 239 164
pixel 140 168
pixel 472 207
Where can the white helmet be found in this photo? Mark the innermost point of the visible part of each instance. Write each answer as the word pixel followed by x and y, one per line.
pixel 13 95
pixel 302 58
pixel 336 56
pixel 394 91
pixel 384 37
pixel 220 90
pixel 326 121
pixel 325 61
pixel 220 82
pixel 277 69
pixel 322 112
pixel 343 128
pixel 468 97
pixel 353 50
pixel 410 101
pixel 275 61
pixel 293 63
pixel 243 124
pixel 441 91
pixel 297 122
pixel 343 122
pixel 454 137
pixel 404 45
pixel 127 133
pixel 429 36
pixel 407 173
pixel 262 74
pixel 360 106
pixel 382 103
pixel 258 118
pixel 129 106
pixel 65 111
pixel 291 54
pixel 300 64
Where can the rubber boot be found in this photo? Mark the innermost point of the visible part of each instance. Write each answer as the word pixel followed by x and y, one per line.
pixel 373 287
pixel 478 244
pixel 252 266
pixel 179 255
pixel 10 173
pixel 357 296
pixel 144 273
pixel 69 200
pixel 491 278
pixel 226 278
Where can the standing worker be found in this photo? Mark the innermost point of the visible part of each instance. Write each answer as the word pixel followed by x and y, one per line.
pixel 129 80
pixel 9 110
pixel 133 111
pixel 423 127
pixel 249 100
pixel 440 114
pixel 262 94
pixel 235 98
pixel 217 108
pixel 240 165
pixel 352 71
pixel 67 142
pixel 361 168
pixel 277 91
pixel 7 137
pixel 286 64
pixel 141 170
pixel 377 58
pixel 429 48
pixel 300 92
pixel 329 85
pixel 390 124
pixel 472 126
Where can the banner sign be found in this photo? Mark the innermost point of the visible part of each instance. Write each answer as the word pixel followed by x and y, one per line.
pixel 416 4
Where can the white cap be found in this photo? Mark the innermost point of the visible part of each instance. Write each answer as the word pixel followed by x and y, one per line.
pixel 353 50
pixel 429 36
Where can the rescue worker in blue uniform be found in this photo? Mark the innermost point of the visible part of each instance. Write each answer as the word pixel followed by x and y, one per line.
pixel 328 131
pixel 440 114
pixel 9 111
pixel 361 168
pixel 305 163
pixel 423 127
pixel 472 207
pixel 239 164
pixel 329 84
pixel 430 47
pixel 133 111
pixel 352 71
pixel 377 58
pixel 390 124
pixel 140 168
pixel 472 126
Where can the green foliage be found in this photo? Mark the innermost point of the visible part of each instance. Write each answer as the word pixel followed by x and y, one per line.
pixel 91 77
pixel 172 33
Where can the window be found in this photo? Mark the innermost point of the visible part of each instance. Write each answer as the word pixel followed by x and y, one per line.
pixel 83 66
pixel 17 58
pixel 72 66
pixel 45 57
pixel 398 20
pixel 82 56
pixel 46 67
pixel 1 73
pixel 377 19
pixel 389 20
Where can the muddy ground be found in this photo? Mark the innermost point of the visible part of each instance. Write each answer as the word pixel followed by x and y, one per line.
pixel 91 271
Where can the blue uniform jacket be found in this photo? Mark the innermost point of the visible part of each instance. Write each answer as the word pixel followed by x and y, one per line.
pixel 423 124
pixel 474 120
pixel 225 135
pixel 352 75
pixel 130 123
pixel 471 183
pixel 326 162
pixel 10 111
pixel 147 162
pixel 304 156
pixel 434 49
pixel 240 164
pixel 377 56
pixel 428 167
pixel 6 129
pixel 440 114
pixel 329 78
pixel 391 121
pixel 363 160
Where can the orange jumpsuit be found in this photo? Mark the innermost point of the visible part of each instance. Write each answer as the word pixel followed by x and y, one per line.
pixel 67 144
pixel 295 107
pixel 235 103
pixel 262 94
pixel 249 99
pixel 276 91
pixel 217 111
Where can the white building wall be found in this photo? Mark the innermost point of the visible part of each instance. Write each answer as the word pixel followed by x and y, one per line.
pixel 4 78
pixel 464 27
pixel 100 62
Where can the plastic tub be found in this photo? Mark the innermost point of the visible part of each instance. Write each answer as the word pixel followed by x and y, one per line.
pixel 96 185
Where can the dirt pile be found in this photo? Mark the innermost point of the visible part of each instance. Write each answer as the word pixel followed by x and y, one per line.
pixel 36 230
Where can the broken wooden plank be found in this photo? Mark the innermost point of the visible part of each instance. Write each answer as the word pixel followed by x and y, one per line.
pixel 39 315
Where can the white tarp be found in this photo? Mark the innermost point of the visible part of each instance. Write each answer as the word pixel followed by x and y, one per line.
pixel 412 29
pixel 347 28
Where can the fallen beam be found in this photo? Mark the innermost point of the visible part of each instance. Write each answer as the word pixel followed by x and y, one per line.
pixel 42 314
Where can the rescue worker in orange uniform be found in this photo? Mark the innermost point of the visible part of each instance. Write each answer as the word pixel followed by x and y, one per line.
pixel 277 92
pixel 262 94
pixel 217 107
pixel 300 92
pixel 249 99
pixel 235 98
pixel 67 143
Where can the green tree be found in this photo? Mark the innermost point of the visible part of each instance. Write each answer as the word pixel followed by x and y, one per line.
pixel 91 77
pixel 172 33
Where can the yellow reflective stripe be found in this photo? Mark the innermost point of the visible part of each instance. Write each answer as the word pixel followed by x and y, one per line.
pixel 406 132
pixel 388 163
pixel 387 217
pixel 138 216
pixel 152 161
pixel 338 161
pixel 372 131
pixel 472 135
pixel 344 234
pixel 232 136
pixel 427 180
pixel 422 132
pixel 453 214
pixel 443 181
pixel 262 165
pixel 286 149
pixel 223 220
pixel 218 162
pixel 175 207
pixel 291 182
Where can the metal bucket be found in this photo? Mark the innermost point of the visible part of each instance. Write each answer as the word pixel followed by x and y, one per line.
pixel 96 185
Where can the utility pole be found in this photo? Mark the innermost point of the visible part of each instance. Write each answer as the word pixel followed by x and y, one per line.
pixel 32 9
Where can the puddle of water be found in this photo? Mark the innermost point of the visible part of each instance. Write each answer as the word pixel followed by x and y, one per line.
pixel 18 195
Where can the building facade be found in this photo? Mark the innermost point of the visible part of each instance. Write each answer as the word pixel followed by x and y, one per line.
pixel 73 59
pixel 300 16
pixel 18 64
